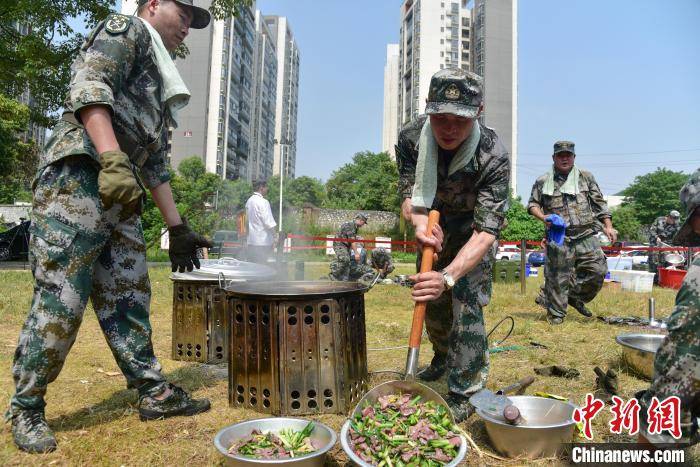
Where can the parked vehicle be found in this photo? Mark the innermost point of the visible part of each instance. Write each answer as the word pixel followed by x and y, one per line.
pixel 536 258
pixel 14 243
pixel 508 252
pixel 222 240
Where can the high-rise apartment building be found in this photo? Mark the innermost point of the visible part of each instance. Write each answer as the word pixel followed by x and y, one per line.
pixel 264 102
pixel 243 98
pixel 391 100
pixel 287 95
pixel 435 34
pixel 495 57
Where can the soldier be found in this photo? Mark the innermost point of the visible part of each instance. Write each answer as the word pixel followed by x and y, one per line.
pixel 342 267
pixel 574 271
pixel 449 162
pixel 662 232
pixel 677 362
pixel 382 262
pixel 87 240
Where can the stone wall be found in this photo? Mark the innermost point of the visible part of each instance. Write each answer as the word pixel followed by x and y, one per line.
pixel 11 213
pixel 331 219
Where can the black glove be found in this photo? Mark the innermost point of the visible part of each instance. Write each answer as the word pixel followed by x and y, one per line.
pixel 184 244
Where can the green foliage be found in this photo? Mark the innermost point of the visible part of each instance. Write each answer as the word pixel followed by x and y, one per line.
pixel 370 182
pixel 17 159
pixel 40 60
pixel 303 190
pixel 521 225
pixel 654 194
pixel 195 193
pixel 627 224
pixel 232 198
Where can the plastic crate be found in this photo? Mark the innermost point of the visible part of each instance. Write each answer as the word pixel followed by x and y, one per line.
pixel 637 281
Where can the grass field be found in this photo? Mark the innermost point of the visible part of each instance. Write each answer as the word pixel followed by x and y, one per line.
pixel 95 420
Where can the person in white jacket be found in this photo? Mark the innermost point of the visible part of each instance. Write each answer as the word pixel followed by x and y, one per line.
pixel 261 224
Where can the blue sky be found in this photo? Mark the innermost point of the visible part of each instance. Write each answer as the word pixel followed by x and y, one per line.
pixel 620 78
pixel 613 76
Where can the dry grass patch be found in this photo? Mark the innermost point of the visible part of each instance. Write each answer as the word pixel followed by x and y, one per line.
pixel 95 419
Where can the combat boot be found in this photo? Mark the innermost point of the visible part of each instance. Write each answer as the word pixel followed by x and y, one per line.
pixel 435 370
pixel 177 403
pixel 460 407
pixel 581 308
pixel 554 320
pixel 31 432
pixel 541 301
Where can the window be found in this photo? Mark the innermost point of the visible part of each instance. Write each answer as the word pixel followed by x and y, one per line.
pixel 442 54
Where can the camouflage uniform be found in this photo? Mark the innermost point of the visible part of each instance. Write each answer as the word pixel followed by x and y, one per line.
pixel 662 229
pixel 78 249
pixel 677 362
pixel 381 259
pixel 574 271
pixel 473 198
pixel 343 268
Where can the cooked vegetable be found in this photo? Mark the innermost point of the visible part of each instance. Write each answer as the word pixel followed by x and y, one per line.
pixel 400 431
pixel 286 444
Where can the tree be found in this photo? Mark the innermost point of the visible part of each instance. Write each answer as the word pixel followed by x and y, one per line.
pixel 626 223
pixel 194 191
pixel 655 194
pixel 304 189
pixel 521 225
pixel 17 159
pixel 370 181
pixel 39 59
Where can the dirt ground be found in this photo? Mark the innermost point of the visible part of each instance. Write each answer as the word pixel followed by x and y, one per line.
pixel 96 422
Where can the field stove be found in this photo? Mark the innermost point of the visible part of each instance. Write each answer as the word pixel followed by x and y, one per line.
pixel 297 347
pixel 199 307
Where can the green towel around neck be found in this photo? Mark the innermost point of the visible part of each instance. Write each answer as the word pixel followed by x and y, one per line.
pixel 175 94
pixel 569 187
pixel 425 184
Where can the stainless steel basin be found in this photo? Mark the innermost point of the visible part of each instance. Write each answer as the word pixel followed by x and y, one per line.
pixel 639 351
pixel 547 428
pixel 229 435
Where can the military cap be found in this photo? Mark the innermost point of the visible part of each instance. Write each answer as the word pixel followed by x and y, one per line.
pixel 675 214
pixel 200 16
pixel 455 91
pixel 361 215
pixel 690 200
pixel 564 146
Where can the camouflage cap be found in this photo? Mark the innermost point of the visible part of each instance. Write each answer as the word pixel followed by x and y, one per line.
pixel 564 146
pixel 455 91
pixel 200 16
pixel 361 215
pixel 690 200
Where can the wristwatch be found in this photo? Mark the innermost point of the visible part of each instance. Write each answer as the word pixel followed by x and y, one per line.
pixel 447 279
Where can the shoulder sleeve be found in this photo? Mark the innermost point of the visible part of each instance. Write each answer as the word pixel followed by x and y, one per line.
pixel 536 195
pixel 105 62
pixel 156 169
pixel 492 196
pixel 595 198
pixel 407 156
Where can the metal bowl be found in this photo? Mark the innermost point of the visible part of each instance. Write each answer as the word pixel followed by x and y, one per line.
pixel 345 435
pixel 547 428
pixel 229 435
pixel 639 351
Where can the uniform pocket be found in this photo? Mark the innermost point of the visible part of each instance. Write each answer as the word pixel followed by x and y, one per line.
pixel 50 248
pixel 52 230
